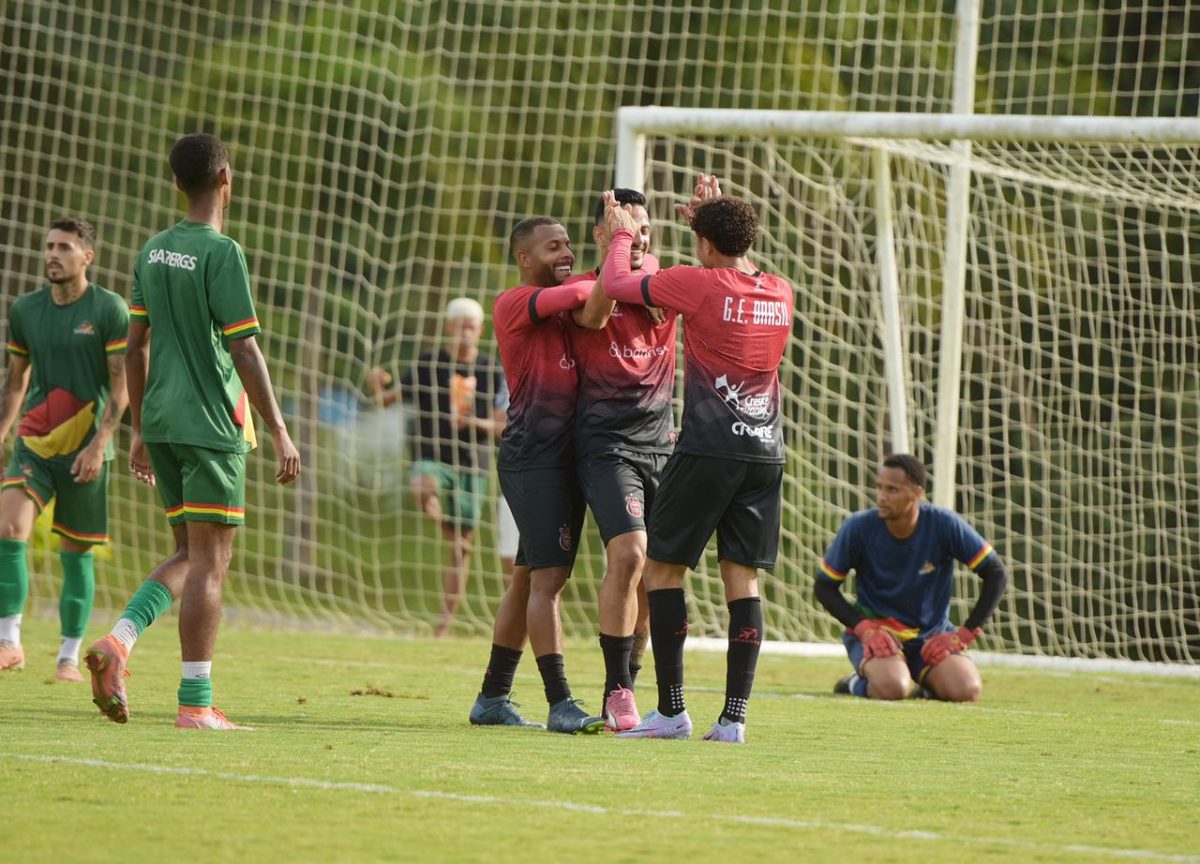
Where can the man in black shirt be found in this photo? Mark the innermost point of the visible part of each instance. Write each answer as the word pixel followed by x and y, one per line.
pixel 455 392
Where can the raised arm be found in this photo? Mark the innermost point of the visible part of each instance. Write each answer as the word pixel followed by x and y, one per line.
pixel 548 302
pixel 596 311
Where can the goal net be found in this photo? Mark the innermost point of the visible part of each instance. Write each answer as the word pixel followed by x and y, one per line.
pixel 1080 391
pixel 382 151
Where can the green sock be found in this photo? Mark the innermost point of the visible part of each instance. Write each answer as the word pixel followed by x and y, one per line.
pixel 195 692
pixel 149 601
pixel 79 588
pixel 14 577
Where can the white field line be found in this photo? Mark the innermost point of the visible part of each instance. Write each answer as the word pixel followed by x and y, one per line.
pixel 600 810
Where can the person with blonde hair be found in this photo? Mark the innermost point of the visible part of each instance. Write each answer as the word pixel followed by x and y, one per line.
pixel 459 396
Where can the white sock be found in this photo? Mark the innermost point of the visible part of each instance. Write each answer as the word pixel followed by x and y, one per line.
pixel 10 629
pixel 69 649
pixel 125 632
pixel 197 669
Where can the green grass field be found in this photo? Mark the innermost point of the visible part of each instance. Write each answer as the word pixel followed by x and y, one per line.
pixel 1049 768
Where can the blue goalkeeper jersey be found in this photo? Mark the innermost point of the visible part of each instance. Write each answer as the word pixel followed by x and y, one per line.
pixel 909 580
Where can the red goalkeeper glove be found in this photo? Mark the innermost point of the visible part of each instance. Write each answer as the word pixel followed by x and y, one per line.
pixel 876 641
pixel 938 648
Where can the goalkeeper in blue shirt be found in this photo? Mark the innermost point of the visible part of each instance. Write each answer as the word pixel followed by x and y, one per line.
pixel 898 628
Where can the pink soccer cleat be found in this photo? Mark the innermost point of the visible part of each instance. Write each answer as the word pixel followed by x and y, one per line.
pixel 106 661
pixel 620 711
pixel 191 717
pixel 12 657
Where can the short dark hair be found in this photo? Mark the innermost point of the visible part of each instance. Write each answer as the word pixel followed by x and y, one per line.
pixel 730 224
pixel 524 229
pixel 197 160
pixel 910 465
pixel 623 196
pixel 79 227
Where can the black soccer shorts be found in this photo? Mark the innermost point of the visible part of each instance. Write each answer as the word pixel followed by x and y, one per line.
pixel 548 508
pixel 619 487
pixel 741 501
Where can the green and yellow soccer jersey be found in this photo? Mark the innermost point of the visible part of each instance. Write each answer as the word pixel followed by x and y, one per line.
pixel 191 286
pixel 68 349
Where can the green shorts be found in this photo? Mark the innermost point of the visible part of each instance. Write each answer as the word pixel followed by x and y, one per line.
pixel 196 484
pixel 461 492
pixel 81 511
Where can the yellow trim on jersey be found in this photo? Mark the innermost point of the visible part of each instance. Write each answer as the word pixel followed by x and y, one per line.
pixel 139 312
pixel 116 345
pixel 14 348
pixel 831 573
pixel 240 327
pixel 978 559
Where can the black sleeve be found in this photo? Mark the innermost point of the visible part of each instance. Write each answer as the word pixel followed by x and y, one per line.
pixel 995 581
pixel 829 594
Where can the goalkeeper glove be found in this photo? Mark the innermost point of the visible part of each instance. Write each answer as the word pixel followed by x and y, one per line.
pixel 937 648
pixel 876 641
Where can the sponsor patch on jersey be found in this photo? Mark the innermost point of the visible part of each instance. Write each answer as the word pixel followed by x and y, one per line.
pixel 86 329
pixel 633 506
pixel 927 568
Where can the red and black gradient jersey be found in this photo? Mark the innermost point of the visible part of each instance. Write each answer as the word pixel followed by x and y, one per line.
pixel 736 328
pixel 540 368
pixel 626 380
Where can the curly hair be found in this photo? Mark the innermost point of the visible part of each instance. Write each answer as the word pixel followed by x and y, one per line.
pixel 81 228
pixel 197 160
pixel 730 224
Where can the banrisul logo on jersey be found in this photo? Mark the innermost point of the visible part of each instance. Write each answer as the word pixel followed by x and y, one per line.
pixel 752 411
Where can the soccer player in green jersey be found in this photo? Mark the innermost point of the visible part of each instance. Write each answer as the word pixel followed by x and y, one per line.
pixel 188 391
pixel 66 343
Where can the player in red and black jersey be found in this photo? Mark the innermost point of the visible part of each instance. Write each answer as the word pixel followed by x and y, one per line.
pixel 537 472
pixel 727 468
pixel 624 431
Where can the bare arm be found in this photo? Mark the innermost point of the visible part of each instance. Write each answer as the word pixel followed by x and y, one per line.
pixel 137 360
pixel 595 312
pixel 378 380
pixel 90 461
pixel 252 370
pixel 12 392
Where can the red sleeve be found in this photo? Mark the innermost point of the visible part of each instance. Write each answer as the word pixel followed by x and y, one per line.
pixel 548 302
pixel 674 288
pixel 526 306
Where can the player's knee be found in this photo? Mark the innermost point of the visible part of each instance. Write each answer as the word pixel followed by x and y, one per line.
pixel 625 563
pixel 969 690
pixel 888 688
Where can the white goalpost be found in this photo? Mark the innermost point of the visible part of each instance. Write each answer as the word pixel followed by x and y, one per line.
pixel 1059 342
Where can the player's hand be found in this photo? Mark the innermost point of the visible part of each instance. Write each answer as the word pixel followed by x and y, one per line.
pixel 876 641
pixel 377 379
pixel 288 456
pixel 139 462
pixel 657 315
pixel 618 216
pixel 940 646
pixel 707 187
pixel 88 463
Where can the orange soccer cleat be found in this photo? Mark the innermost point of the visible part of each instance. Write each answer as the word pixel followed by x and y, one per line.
pixel 106 661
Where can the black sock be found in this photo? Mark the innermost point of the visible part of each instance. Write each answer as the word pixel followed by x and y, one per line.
pixel 502 666
pixel 554 677
pixel 668 631
pixel 635 656
pixel 745 639
pixel 616 662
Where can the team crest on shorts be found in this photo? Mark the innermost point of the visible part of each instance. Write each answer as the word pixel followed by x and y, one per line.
pixel 564 537
pixel 633 506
